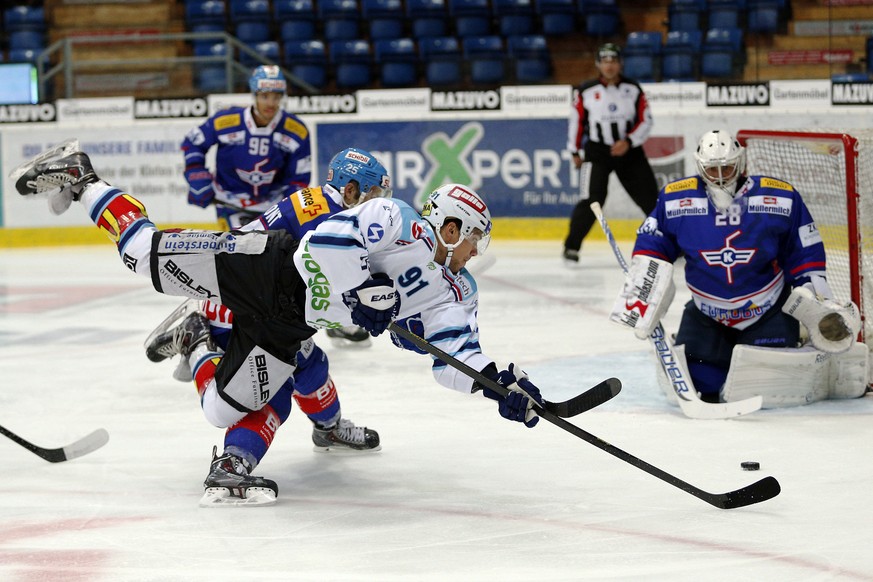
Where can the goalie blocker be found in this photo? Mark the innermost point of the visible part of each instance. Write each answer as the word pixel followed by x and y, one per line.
pixel 647 294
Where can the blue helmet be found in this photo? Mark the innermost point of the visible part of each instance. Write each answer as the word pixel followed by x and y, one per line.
pixel 268 79
pixel 353 164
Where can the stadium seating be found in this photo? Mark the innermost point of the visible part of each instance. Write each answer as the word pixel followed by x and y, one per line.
pixel 722 53
pixel 557 17
pixel 725 13
pixel 601 17
pixel 384 17
pixel 205 15
pixel 680 51
pixel 211 79
pixel 351 62
pixel 340 19
pixel 268 49
pixel 27 39
pixel 486 59
pixel 296 19
pixel 514 17
pixel 397 61
pixel 763 16
pixel 531 58
pixel 471 17
pixel 307 60
pixel 686 14
pixel 869 51
pixel 427 18
pixel 24 18
pixel 642 54
pixel 23 55
pixel 441 56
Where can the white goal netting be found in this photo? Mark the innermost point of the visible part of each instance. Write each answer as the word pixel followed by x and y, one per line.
pixel 833 171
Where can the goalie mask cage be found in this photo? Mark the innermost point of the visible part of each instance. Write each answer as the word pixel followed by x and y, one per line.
pixel 833 171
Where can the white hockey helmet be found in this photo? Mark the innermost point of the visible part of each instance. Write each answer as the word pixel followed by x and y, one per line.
pixel 721 160
pixel 461 203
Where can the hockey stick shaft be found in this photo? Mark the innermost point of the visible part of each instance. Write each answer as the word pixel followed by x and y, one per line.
pixel 754 493
pixel 576 405
pixel 81 447
pixel 677 373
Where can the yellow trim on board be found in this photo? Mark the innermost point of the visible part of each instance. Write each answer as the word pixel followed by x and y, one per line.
pixel 504 229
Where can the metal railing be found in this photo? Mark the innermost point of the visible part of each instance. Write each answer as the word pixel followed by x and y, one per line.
pixel 66 65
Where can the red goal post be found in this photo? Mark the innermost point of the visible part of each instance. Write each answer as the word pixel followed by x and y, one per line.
pixel 833 171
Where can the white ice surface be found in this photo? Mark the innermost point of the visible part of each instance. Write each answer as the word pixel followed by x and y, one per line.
pixel 457 493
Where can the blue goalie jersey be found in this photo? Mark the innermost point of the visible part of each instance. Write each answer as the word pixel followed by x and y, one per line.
pixel 737 261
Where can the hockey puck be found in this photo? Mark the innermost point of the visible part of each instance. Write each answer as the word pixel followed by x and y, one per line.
pixel 750 465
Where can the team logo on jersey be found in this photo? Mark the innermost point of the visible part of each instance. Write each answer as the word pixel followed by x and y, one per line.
pixel 256 177
pixel 809 235
pixel 770 205
pixel 375 233
pixel 226 121
pixel 728 257
pixel 774 183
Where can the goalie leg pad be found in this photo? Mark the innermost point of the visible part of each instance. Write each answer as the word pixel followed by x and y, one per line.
pixel 784 377
pixel 848 373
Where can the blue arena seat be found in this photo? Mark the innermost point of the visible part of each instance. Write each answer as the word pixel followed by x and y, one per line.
pixel 341 19
pixel 722 53
pixel 486 59
pixel 530 54
pixel 24 17
pixel 441 56
pixel 352 63
pixel 427 17
pixel 307 60
pixel 27 39
pixel 472 17
pixel 725 13
pixel 763 16
pixel 514 17
pixel 268 49
pixel 642 55
pixel 296 19
pixel 384 17
pixel 252 32
pixel 397 61
pixel 601 17
pixel 680 55
pixel 686 14
pixel 200 13
pixel 557 17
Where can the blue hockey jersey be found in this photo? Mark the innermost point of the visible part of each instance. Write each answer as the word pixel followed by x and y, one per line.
pixel 737 261
pixel 254 166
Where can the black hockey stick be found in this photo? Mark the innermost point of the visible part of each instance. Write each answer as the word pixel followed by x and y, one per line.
pixel 83 446
pixel 589 399
pixel 759 491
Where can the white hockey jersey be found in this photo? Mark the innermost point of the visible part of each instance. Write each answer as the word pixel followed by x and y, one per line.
pixel 388 236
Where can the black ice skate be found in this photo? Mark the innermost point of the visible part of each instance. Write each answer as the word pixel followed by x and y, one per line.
pixel 192 331
pixel 349 336
pixel 159 343
pixel 345 437
pixel 61 172
pixel 229 483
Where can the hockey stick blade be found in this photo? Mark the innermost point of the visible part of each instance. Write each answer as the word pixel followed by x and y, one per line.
pixel 759 491
pixel 689 402
pixel 591 398
pixel 81 447
pixel 576 405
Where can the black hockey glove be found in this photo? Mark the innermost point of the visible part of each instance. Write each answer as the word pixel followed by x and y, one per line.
pixel 518 404
pixel 374 304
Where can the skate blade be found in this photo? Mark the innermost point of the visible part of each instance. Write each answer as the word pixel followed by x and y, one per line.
pixel 337 450
pixel 61 150
pixel 222 497
pixel 181 312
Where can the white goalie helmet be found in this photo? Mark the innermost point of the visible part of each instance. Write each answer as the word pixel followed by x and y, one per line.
pixel 721 160
pixel 455 201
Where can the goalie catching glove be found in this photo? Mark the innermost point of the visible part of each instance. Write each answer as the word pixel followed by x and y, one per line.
pixel 374 304
pixel 832 327
pixel 647 293
pixel 518 404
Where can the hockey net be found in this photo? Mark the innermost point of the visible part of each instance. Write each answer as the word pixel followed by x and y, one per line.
pixel 833 171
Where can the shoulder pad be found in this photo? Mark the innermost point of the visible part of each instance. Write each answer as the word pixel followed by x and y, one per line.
pixel 226 121
pixel 681 185
pixel 295 127
pixel 774 183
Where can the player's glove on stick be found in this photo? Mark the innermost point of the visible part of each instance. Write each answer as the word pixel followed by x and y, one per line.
pixel 518 404
pixel 832 327
pixel 374 304
pixel 200 192
pixel 646 295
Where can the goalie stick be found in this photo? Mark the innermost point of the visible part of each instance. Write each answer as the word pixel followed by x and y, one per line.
pixel 689 401
pixel 584 402
pixel 81 447
pixel 759 491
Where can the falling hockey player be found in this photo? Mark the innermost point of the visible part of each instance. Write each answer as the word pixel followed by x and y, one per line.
pixel 377 263
pixel 755 266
